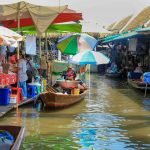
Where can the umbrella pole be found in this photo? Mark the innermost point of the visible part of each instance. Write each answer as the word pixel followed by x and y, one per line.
pixel 89 80
pixel 18 56
pixel 40 53
pixel 46 47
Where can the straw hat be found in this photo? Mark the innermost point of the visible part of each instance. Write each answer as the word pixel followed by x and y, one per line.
pixel 70 66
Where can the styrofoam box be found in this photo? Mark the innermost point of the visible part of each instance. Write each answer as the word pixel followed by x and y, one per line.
pixel 13 99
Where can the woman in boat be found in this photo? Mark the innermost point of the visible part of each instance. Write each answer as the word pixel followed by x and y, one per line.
pixel 70 73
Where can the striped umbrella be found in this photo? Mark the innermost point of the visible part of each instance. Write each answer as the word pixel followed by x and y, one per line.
pixel 74 43
pixel 90 57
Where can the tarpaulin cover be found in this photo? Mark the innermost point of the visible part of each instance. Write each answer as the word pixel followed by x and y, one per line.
pixel 63 17
pixel 146 76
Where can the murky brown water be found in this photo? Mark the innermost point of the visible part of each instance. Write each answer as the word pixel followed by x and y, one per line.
pixel 112 117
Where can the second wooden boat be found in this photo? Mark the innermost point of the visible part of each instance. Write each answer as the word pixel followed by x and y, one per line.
pixel 113 75
pixel 17 132
pixel 138 84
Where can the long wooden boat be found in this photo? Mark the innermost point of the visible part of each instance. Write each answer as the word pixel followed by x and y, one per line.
pixel 138 84
pixel 53 99
pixel 18 134
pixel 113 75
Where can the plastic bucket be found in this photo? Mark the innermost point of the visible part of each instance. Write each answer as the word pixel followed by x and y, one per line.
pixel 4 96
pixel 76 91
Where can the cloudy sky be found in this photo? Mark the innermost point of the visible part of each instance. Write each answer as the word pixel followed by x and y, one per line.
pixel 98 13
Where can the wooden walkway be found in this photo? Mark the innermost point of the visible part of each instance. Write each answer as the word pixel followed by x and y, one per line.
pixel 5 109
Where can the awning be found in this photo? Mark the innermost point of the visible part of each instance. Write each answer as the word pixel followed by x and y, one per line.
pixel 53 28
pixel 42 16
pixel 144 30
pixel 62 17
pixel 120 36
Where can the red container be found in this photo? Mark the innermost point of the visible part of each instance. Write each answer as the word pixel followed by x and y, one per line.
pixel 18 90
pixel 12 78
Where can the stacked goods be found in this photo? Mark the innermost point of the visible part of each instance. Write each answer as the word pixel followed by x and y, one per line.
pixel 44 84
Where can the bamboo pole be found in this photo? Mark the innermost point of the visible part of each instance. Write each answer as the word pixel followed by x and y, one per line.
pixel 40 53
pixel 18 15
pixel 46 48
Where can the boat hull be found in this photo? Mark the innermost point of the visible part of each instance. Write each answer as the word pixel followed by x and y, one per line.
pixel 18 133
pixel 113 75
pixel 138 85
pixel 58 100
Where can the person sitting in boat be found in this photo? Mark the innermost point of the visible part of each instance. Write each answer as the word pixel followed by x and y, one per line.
pixel 82 86
pixel 113 68
pixel 138 69
pixel 70 73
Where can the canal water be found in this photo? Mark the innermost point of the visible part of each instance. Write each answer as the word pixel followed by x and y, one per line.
pixel 112 117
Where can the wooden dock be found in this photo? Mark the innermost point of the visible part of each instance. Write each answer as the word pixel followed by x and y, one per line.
pixel 5 109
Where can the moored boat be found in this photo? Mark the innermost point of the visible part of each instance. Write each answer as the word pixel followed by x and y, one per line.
pixel 138 84
pixel 17 132
pixel 113 75
pixel 53 99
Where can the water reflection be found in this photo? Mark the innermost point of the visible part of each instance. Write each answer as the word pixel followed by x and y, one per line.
pixel 101 131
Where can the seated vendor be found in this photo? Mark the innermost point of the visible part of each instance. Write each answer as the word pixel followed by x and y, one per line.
pixel 138 69
pixel 69 74
pixel 113 68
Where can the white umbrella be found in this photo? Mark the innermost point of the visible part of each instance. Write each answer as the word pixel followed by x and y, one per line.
pixel 90 57
pixel 9 37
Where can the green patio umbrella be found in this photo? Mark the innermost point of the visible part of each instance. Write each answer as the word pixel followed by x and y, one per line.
pixel 74 43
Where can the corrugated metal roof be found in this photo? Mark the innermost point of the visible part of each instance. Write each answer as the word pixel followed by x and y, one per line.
pixel 122 23
pixel 139 19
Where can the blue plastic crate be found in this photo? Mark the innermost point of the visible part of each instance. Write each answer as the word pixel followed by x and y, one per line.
pixel 31 91
pixel 4 96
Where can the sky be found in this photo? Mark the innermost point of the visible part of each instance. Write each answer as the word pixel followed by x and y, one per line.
pixel 98 13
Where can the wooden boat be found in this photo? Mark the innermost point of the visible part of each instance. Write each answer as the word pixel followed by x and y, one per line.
pixel 113 75
pixel 18 134
pixel 138 84
pixel 53 99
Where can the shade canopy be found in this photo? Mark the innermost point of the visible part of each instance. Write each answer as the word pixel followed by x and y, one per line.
pixel 42 16
pixel 25 22
pixel 90 57
pixel 9 37
pixel 74 43
pixel 30 30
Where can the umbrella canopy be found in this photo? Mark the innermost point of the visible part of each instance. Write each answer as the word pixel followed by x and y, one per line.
pixel 72 44
pixel 25 22
pixel 29 30
pixel 42 16
pixel 9 37
pixel 90 57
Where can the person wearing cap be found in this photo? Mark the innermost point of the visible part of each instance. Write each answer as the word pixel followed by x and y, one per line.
pixel 22 75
